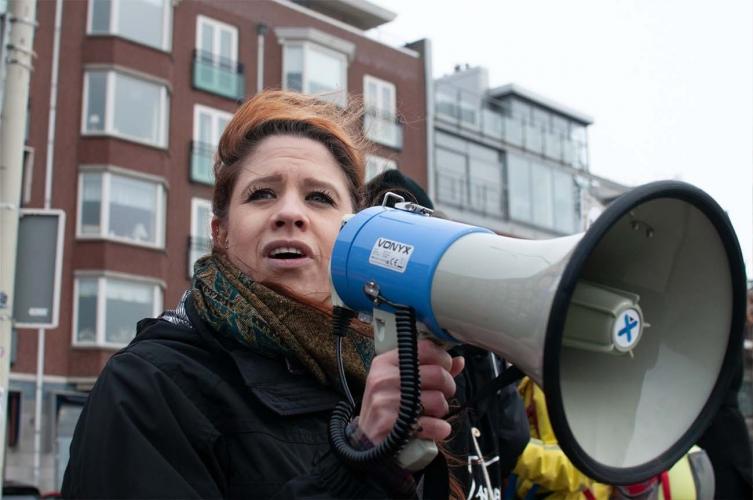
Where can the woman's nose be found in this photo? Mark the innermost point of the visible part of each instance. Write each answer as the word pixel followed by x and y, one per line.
pixel 292 212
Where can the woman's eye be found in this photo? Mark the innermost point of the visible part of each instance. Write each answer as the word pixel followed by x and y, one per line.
pixel 261 194
pixel 321 197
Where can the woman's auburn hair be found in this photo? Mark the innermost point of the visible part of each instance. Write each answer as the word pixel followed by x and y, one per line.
pixel 277 112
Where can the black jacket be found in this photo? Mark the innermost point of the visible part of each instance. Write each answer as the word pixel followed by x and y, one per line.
pixel 502 423
pixel 208 418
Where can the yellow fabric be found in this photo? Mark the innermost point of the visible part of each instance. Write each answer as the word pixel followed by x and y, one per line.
pixel 681 482
pixel 543 462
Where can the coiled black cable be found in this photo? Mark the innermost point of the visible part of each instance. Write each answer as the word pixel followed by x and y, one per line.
pixel 410 400
pixel 341 317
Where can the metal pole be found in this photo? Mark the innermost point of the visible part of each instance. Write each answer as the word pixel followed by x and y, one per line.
pixel 261 31
pixel 38 407
pixel 22 16
pixel 51 122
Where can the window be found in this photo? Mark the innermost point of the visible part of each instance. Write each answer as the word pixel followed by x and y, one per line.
pixel 485 174
pixel 215 65
pixel 313 69
pixel 121 208
pixel 208 124
pixel 126 106
pixel 375 165
pixel 519 182
pixel 469 175
pixel 200 242
pixel 107 308
pixel 541 195
pixel 216 40
pixel 565 202
pixel 451 177
pixel 144 21
pixel 380 123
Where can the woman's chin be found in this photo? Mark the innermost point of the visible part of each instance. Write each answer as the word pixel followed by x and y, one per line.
pixel 304 282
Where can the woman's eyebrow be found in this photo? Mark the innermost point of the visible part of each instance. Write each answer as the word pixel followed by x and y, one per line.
pixel 311 182
pixel 267 179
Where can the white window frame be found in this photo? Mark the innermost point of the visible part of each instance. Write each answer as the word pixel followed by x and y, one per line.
pixel 215 115
pixel 380 122
pixel 217 25
pixel 382 165
pixel 389 112
pixel 167 24
pixel 338 96
pixel 102 277
pixel 109 129
pixel 104 214
pixel 196 204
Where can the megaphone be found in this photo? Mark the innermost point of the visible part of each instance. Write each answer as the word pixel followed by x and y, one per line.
pixel 629 327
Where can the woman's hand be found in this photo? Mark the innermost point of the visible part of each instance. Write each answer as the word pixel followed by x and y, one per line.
pixel 381 398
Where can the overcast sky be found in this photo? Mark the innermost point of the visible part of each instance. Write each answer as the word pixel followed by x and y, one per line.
pixel 669 83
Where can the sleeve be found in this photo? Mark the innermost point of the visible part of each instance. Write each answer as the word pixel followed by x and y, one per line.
pixel 139 436
pixel 331 478
pixel 543 462
pixel 513 430
pixel 547 466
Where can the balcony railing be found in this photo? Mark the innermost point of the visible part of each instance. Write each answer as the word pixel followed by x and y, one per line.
pixel 218 75
pixel 202 162
pixel 197 248
pixel 476 196
pixel 489 118
pixel 383 129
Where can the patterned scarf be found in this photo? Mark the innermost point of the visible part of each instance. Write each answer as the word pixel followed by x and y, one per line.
pixel 274 325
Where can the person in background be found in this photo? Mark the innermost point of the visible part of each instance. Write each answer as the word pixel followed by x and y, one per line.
pixel 726 440
pixel 544 471
pixel 493 432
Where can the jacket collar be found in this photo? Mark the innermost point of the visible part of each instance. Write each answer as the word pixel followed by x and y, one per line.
pixel 280 384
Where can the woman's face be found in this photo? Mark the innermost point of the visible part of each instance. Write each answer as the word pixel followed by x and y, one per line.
pixel 285 213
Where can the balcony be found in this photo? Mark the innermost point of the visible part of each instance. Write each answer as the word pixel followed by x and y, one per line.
pixel 383 129
pixel 218 75
pixel 478 196
pixel 197 248
pixel 491 119
pixel 202 163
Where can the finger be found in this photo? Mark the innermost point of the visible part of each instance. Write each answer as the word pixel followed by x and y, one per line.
pixel 429 353
pixel 434 404
pixel 458 363
pixel 432 428
pixel 436 378
pixel 388 358
pixel 382 377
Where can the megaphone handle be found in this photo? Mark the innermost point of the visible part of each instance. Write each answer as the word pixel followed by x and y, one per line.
pixel 417 453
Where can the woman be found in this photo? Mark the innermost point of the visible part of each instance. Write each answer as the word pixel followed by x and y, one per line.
pixel 230 394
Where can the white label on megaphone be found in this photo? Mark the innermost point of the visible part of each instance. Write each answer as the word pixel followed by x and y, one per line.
pixel 626 330
pixel 390 254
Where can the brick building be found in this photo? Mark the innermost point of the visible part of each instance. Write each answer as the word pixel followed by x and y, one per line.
pixel 145 88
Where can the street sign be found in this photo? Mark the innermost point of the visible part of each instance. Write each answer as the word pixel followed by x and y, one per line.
pixel 36 301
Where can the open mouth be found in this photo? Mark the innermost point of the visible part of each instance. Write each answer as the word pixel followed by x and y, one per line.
pixel 286 253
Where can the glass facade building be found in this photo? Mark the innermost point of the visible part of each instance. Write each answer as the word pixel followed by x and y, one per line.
pixel 508 159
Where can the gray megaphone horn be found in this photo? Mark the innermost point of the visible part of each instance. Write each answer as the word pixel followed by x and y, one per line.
pixel 629 327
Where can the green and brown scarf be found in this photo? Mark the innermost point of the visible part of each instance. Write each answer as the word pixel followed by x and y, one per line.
pixel 275 325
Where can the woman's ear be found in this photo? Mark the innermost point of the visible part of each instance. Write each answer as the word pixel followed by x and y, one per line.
pixel 219 233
